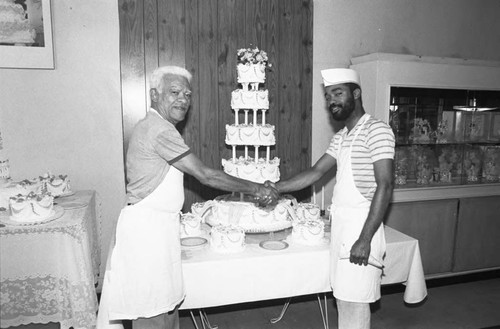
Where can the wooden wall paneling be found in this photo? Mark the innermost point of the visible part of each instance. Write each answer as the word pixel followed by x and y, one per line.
pixel 171 32
pixel 207 80
pixel 258 18
pixel 289 126
pixel 229 31
pixel 190 127
pixel 151 61
pixel 132 65
pixel 306 55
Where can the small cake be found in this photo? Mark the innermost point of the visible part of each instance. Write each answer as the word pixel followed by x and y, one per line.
pixel 190 225
pixel 308 211
pixel 31 208
pixel 308 232
pixel 227 238
pixel 56 185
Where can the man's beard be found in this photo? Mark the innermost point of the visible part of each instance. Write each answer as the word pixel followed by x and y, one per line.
pixel 344 111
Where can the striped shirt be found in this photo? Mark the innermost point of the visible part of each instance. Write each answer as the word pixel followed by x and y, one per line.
pixel 374 142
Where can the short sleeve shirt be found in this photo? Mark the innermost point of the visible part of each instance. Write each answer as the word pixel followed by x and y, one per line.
pixel 154 146
pixel 375 142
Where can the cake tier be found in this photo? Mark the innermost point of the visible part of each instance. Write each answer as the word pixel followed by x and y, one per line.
pixel 251 73
pixel 14 27
pixel 256 172
pixel 226 210
pixel 310 232
pixel 227 238
pixel 244 134
pixel 251 99
pixel 31 208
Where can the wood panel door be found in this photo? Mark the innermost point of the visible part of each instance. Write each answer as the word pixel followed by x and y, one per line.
pixel 204 36
pixel 478 234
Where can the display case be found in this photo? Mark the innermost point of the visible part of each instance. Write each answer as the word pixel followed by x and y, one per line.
pixel 445 136
pixel 445 115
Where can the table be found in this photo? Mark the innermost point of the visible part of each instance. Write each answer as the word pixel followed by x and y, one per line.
pixel 213 279
pixel 49 271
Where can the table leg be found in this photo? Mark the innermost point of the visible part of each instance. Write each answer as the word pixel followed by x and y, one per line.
pixel 324 316
pixel 274 320
pixel 203 319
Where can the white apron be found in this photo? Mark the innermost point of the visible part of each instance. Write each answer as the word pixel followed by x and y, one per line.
pixel 144 274
pixel 351 282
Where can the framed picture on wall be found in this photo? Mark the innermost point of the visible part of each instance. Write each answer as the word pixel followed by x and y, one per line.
pixel 26 34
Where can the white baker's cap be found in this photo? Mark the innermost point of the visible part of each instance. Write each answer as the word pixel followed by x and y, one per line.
pixel 337 76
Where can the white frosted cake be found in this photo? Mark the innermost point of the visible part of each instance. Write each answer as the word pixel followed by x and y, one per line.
pixel 190 225
pixel 230 210
pixel 31 208
pixel 308 232
pixel 252 132
pixel 55 185
pixel 48 183
pixel 308 211
pixel 15 28
pixel 227 238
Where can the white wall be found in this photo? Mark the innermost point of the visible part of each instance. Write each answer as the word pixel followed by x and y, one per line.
pixel 68 120
pixel 344 29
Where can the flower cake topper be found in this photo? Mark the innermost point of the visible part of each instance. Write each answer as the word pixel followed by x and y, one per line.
pixel 252 56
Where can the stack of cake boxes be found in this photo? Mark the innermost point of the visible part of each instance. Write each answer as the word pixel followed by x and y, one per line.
pixel 250 133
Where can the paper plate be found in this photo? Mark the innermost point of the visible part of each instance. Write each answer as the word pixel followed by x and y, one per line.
pixel 273 245
pixel 57 212
pixel 193 242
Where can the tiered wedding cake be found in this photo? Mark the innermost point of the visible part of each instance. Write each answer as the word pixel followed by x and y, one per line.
pixel 249 134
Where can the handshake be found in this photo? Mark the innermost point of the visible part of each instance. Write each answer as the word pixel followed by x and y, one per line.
pixel 267 195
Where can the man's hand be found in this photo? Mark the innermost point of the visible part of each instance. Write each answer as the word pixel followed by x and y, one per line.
pixel 360 252
pixel 267 195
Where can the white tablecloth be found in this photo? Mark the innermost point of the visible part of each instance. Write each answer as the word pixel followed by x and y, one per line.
pixel 213 279
pixel 48 272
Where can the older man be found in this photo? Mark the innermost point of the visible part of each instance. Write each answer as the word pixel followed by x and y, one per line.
pixel 144 277
pixel 363 153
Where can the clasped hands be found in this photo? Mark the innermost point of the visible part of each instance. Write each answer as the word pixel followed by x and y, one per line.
pixel 267 195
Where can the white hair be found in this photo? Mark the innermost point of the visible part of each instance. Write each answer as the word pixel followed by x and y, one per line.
pixel 156 79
